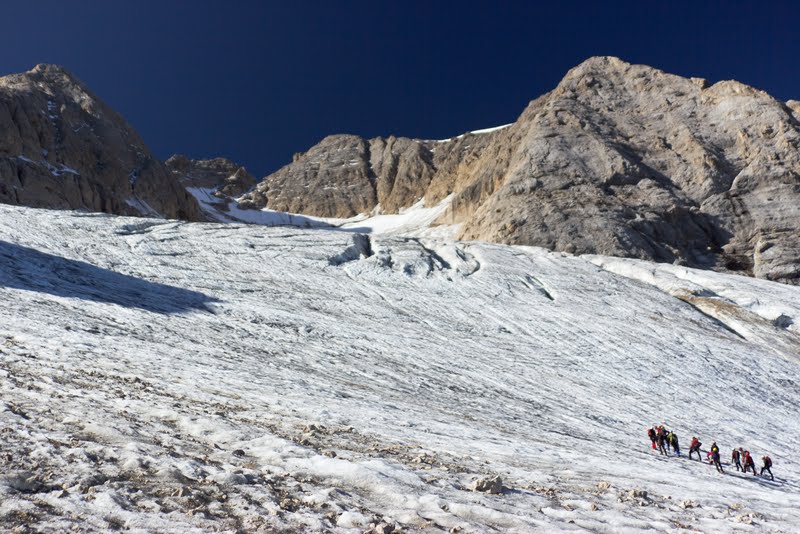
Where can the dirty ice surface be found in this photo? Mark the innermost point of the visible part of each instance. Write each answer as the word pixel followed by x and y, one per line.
pixel 166 376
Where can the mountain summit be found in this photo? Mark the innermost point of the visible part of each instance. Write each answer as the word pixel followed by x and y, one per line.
pixel 62 147
pixel 618 159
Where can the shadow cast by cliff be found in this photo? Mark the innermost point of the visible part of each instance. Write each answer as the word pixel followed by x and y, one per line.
pixel 32 270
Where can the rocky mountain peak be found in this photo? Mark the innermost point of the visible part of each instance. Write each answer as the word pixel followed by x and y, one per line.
pixel 600 66
pixel 51 68
pixel 50 80
pixel 55 74
pixel 62 147
pixel 619 159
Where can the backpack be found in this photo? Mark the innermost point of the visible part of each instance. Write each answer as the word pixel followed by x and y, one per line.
pixel 767 462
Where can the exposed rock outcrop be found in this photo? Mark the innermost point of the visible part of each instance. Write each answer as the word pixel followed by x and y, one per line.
pixel 619 159
pixel 62 147
pixel 345 175
pixel 332 179
pixel 626 160
pixel 224 176
pixel 492 485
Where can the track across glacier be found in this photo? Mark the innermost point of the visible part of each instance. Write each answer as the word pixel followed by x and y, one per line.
pixel 158 375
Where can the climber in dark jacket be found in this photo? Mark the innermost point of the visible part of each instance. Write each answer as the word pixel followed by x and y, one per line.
pixel 651 433
pixel 767 464
pixel 735 455
pixel 662 440
pixel 715 457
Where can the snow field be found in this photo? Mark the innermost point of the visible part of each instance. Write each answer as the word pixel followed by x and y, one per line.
pixel 159 375
pixel 416 220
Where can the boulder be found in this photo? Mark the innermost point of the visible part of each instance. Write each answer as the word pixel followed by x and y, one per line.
pixel 492 485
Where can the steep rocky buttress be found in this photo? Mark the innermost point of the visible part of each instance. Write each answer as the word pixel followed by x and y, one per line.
pixel 61 147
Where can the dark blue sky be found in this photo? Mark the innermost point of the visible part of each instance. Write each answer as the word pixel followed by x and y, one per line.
pixel 258 81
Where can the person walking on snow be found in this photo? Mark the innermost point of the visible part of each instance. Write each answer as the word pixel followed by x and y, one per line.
pixel 735 459
pixel 715 457
pixel 710 452
pixel 673 440
pixel 749 463
pixel 767 464
pixel 695 447
pixel 666 437
pixel 651 433
pixel 662 439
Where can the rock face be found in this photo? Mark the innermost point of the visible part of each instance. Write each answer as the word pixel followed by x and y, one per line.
pixel 345 175
pixel 224 176
pixel 619 159
pixel 61 147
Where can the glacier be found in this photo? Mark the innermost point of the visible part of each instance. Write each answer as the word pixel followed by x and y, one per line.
pixel 157 375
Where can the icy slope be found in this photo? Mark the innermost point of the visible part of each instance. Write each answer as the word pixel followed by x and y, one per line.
pixel 416 220
pixel 159 376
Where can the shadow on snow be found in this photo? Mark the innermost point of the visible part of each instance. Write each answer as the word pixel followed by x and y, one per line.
pixel 31 270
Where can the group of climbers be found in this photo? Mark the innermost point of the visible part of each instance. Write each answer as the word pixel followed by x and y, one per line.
pixel 665 439
pixel 740 455
pixel 662 440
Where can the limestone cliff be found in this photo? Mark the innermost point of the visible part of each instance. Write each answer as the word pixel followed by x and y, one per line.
pixel 62 147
